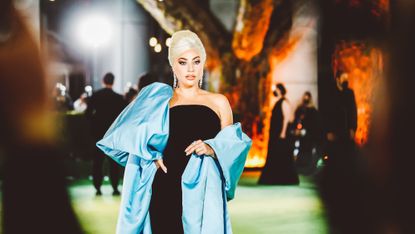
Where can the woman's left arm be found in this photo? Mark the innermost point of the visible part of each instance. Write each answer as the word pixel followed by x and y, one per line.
pixel 225 110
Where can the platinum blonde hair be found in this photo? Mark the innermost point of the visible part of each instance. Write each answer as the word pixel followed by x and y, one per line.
pixel 182 41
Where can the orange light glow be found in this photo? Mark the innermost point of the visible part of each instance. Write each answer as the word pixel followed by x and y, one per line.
pixel 255 160
pixel 364 65
pixel 249 34
pixel 384 5
pixel 258 153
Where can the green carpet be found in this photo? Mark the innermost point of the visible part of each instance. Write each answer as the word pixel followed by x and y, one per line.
pixel 255 209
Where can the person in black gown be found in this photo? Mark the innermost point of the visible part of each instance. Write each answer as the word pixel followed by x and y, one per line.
pixel 166 203
pixel 279 168
pixel 195 115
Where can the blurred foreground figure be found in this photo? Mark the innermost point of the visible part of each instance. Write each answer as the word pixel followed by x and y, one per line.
pixel 34 196
pixel 372 192
pixel 392 157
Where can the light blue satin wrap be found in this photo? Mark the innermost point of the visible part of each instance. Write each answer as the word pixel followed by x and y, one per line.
pixel 139 135
pixel 208 183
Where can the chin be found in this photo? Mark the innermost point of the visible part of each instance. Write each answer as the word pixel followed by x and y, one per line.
pixel 190 83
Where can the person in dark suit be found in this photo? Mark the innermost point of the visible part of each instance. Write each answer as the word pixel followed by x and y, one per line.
pixel 103 107
pixel 342 123
pixel 342 182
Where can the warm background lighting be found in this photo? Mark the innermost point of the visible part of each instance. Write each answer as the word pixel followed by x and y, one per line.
pixel 364 65
pixel 157 48
pixel 168 42
pixel 153 41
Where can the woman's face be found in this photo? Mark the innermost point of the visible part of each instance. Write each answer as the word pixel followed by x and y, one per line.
pixel 306 99
pixel 276 92
pixel 188 68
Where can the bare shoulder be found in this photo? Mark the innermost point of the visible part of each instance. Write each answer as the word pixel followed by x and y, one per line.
pixel 222 107
pixel 219 100
pixel 286 104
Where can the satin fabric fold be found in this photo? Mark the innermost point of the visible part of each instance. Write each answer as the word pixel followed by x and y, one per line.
pixel 139 135
pixel 208 183
pixel 142 128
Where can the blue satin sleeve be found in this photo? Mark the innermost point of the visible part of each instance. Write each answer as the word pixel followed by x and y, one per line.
pixel 136 138
pixel 142 127
pixel 231 147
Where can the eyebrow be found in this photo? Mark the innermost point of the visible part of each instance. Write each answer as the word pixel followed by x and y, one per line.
pixel 197 57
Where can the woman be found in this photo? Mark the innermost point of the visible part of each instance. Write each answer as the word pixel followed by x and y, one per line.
pixel 308 133
pixel 279 168
pixel 183 155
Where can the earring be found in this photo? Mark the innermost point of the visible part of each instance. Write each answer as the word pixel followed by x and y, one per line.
pixel 175 85
pixel 201 82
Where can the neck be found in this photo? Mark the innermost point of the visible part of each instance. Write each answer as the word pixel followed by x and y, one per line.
pixel 107 86
pixel 187 92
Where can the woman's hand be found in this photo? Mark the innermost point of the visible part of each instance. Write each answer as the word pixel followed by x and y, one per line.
pixel 159 163
pixel 200 148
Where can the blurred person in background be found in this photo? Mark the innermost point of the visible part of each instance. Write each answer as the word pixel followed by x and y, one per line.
pixel 279 168
pixel 145 79
pixel 130 94
pixel 342 123
pixel 341 181
pixel 307 131
pixel 34 195
pixel 62 100
pixel 81 103
pixel 103 107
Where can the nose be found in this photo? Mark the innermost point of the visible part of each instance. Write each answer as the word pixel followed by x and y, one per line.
pixel 190 67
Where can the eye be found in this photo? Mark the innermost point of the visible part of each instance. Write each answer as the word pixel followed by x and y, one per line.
pixel 182 62
pixel 197 62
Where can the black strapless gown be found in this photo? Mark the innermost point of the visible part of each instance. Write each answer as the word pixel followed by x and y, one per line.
pixel 279 168
pixel 187 124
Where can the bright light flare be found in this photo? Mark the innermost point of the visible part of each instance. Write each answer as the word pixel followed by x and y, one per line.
pixel 157 48
pixel 95 31
pixel 153 41
pixel 168 42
